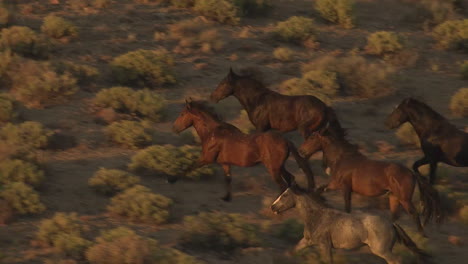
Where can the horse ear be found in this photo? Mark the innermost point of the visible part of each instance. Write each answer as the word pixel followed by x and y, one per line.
pixel 323 129
pixel 188 104
pixel 231 75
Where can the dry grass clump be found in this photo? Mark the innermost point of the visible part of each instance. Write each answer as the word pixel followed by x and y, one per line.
pixel 139 204
pixel 218 231
pixel 223 11
pixel 383 43
pixel 149 68
pixel 15 170
pixel 195 34
pixel 452 34
pixel 407 136
pixel 23 41
pixel 295 29
pixel 7 108
pixel 57 27
pixel 283 54
pixel 336 11
pixel 170 160
pixel 112 181
pixel 321 83
pixel 459 102
pixel 130 134
pixel 63 233
pixel 22 198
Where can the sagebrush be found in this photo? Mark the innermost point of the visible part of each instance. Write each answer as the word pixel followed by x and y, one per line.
pixel 24 41
pixel 112 181
pixel 57 27
pixel 15 170
pixel 25 137
pixel 22 198
pixel 452 34
pixel 459 102
pixel 337 11
pixel 383 42
pixel 295 29
pixel 130 134
pixel 8 108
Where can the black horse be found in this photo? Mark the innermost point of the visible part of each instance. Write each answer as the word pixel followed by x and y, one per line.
pixel 440 140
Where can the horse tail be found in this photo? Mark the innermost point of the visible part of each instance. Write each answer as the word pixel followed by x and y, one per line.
pixel 403 238
pixel 430 199
pixel 304 165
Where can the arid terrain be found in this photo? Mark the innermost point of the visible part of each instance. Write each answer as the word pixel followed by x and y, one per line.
pixel 422 70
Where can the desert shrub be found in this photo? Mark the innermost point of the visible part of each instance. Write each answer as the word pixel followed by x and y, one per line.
pixel 7 108
pixel 24 41
pixel 440 10
pixel 452 34
pixel 122 245
pixel 14 170
pixel 319 83
pixel 143 103
pixel 356 75
pixel 223 11
pixel 140 204
pixel 194 33
pixel 218 231
pixel 22 198
pixel 407 136
pixel 336 11
pixel 5 16
pixel 183 3
pixel 463 214
pixel 144 67
pixel 290 230
pixel 295 29
pixel 26 136
pixel 464 70
pixel 383 42
pixel 57 27
pixel 130 134
pixel 63 232
pixel 112 181
pixel 84 74
pixel 169 160
pixel 283 54
pixel 38 85
pixel 459 102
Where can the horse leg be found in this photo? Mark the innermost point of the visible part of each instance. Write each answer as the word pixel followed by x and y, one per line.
pixel 288 177
pixel 347 198
pixel 227 180
pixel 386 254
pixel 325 248
pixel 394 206
pixel 409 208
pixel 423 161
pixel 276 174
pixel 301 245
pixel 432 172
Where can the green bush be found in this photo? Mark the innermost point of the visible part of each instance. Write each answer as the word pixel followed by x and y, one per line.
pixel 144 103
pixel 112 181
pixel 14 170
pixel 7 108
pixel 141 205
pixel 130 134
pixel 336 11
pixel 459 102
pixel 37 85
pixel 5 17
pixel 319 83
pixel 24 41
pixel 144 67
pixel 122 245
pixel 169 160
pixel 223 11
pixel 218 231
pixel 22 198
pixel 356 75
pixel 383 42
pixel 26 136
pixel 295 29
pixel 452 34
pixel 290 230
pixel 63 232
pixel 57 27
pixel 406 134
pixel 463 71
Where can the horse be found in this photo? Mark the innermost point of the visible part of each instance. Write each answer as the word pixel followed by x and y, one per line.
pixel 268 109
pixel 351 171
pixel 329 228
pixel 440 140
pixel 225 144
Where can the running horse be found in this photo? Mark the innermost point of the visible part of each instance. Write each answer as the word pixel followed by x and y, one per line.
pixel 225 144
pixel 351 171
pixel 440 140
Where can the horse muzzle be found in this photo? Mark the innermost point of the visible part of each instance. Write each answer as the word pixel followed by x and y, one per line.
pixel 275 209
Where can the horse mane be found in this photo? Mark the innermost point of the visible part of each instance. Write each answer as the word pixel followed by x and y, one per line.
pixel 202 106
pixel 339 135
pixel 422 109
pixel 316 197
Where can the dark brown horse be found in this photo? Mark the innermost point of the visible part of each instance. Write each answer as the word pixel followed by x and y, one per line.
pixel 270 110
pixel 440 140
pixel 225 144
pixel 351 171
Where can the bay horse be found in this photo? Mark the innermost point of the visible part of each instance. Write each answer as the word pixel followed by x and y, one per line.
pixel 226 145
pixel 329 228
pixel 268 109
pixel 440 140
pixel 351 171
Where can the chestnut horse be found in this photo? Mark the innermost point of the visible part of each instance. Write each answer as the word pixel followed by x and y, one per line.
pixel 440 140
pixel 268 109
pixel 351 171
pixel 225 144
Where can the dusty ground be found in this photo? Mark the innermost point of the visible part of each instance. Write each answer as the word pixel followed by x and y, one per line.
pixel 125 26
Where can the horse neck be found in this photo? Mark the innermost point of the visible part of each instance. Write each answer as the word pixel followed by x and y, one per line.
pixel 426 121
pixel 310 211
pixel 248 92
pixel 335 149
pixel 204 125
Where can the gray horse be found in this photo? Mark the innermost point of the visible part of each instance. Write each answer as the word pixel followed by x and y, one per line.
pixel 329 228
